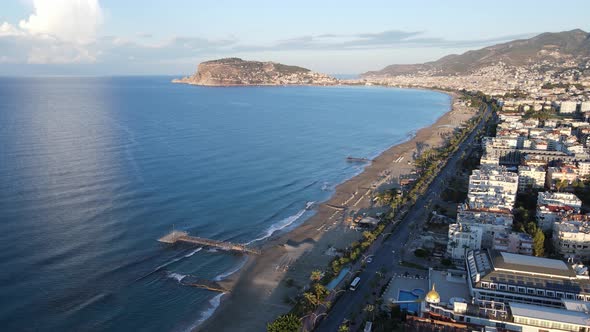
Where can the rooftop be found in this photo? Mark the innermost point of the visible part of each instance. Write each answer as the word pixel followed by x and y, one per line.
pixel 449 284
pixel 530 264
pixel 550 314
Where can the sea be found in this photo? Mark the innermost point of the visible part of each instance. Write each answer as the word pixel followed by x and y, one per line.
pixel 93 170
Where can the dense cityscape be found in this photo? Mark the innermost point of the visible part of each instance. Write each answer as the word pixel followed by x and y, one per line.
pixel 519 244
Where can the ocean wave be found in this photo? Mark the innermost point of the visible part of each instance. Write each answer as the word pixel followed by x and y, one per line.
pixel 172 261
pixel 411 134
pixel 176 276
pixel 193 252
pixel 232 271
pixel 283 223
pixel 89 302
pixel 213 304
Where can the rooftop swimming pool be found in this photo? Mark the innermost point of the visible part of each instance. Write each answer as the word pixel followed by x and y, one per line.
pixel 405 295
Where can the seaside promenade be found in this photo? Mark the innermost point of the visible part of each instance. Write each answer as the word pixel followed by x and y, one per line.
pixel 387 253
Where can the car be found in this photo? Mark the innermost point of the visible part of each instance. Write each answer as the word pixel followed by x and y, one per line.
pixel 369 260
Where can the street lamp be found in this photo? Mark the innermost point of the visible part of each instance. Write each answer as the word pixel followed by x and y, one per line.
pixel 318 316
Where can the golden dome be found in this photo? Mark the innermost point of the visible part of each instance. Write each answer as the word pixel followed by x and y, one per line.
pixel 432 296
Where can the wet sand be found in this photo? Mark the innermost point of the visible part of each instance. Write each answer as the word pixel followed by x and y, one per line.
pixel 260 291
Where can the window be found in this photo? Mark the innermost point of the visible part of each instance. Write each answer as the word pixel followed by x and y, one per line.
pixel 550 293
pixel 521 290
pixel 485 285
pixel 493 286
pixel 559 294
pixel 569 296
pixel 512 288
pixel 530 291
pixel 540 292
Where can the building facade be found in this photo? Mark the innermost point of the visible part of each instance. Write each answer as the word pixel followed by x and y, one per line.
pixel 530 177
pixel 505 277
pixel 513 242
pixel 571 237
pixel 462 238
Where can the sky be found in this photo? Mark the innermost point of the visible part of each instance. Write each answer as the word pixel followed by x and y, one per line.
pixel 157 37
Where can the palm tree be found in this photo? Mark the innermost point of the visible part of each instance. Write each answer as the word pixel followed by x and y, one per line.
pixel 311 300
pixel 316 275
pixel 285 323
pixel 370 309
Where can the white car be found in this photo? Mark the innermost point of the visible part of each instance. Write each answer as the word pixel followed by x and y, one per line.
pixel 369 260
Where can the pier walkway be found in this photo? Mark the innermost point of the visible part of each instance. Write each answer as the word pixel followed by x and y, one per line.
pixel 178 236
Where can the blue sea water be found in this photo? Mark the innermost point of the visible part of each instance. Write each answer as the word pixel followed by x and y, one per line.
pixel 94 170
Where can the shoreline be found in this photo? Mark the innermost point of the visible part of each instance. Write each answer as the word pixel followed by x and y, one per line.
pixel 260 283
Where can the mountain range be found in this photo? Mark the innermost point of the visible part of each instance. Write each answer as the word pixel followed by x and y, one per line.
pixel 548 49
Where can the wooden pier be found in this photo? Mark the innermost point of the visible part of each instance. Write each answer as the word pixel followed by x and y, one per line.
pixel 178 236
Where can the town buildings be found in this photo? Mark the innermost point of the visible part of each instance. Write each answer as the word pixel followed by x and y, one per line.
pixel 571 237
pixel 552 206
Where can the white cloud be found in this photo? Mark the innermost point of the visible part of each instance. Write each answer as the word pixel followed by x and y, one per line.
pixel 7 29
pixel 68 20
pixel 57 32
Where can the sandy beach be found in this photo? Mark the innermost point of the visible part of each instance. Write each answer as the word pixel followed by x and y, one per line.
pixel 259 290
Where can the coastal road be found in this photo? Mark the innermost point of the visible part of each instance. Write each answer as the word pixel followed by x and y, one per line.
pixel 388 255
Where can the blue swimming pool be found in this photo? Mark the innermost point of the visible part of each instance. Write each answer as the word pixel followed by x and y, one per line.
pixel 405 295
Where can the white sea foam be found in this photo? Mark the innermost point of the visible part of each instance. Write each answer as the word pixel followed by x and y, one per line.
pixel 168 263
pixel 193 252
pixel 176 276
pixel 232 271
pixel 283 223
pixel 213 304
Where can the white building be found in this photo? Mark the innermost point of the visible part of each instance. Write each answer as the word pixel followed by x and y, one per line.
pixel 552 206
pixel 492 187
pixel 571 237
pixel 516 243
pixel 568 174
pixel 530 177
pixel 583 169
pixel 489 221
pixel 462 238
pixel 568 107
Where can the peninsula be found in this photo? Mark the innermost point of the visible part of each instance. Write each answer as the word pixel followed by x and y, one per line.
pixel 238 72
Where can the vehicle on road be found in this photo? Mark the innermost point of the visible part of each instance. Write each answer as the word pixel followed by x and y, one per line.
pixel 369 260
pixel 355 283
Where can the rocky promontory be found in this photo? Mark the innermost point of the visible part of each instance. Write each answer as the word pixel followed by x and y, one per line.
pixel 235 71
